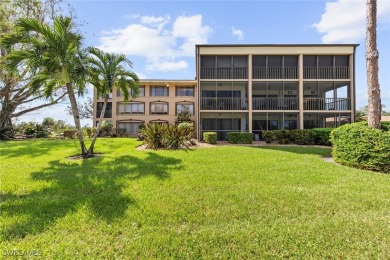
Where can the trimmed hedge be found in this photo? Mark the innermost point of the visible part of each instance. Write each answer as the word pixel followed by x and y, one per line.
pixel 318 136
pixel 360 146
pixel 210 137
pixel 322 135
pixel 240 137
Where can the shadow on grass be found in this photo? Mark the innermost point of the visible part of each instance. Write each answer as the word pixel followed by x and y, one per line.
pixel 32 148
pixel 94 185
pixel 320 151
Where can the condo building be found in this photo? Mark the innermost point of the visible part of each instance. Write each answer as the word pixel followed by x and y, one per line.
pixel 159 101
pixel 249 88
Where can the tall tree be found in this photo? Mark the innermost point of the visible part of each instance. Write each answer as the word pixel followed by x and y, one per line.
pixel 16 97
pixel 372 55
pixel 54 58
pixel 107 72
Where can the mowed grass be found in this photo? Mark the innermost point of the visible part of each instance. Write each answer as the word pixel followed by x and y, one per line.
pixel 221 202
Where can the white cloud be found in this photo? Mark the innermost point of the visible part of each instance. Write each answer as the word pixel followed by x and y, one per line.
pixel 238 33
pixel 162 45
pixel 344 21
pixel 191 30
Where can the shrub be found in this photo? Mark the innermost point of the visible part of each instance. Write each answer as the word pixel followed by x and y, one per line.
pixel 297 136
pixel 210 137
pixel 153 135
pixel 303 136
pixel 187 129
pixel 385 126
pixel 360 146
pixel 41 131
pixel 240 137
pixel 175 137
pixel 322 135
pixel 269 136
pixel 88 131
pixel 70 133
pixel 7 133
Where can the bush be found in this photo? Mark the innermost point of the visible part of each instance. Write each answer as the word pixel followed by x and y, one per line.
pixel 7 133
pixel 322 135
pixel 240 137
pixel 269 136
pixel 167 136
pixel 210 137
pixel 70 133
pixel 303 136
pixel 298 136
pixel 385 126
pixel 153 135
pixel 41 131
pixel 360 146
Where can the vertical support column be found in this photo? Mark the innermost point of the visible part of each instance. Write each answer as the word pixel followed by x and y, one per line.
pixel 250 93
pixel 300 90
pixel 351 92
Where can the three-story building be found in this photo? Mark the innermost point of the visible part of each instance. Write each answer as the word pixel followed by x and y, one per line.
pixel 266 87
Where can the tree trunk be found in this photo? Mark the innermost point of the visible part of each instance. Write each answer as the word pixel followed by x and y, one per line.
pixel 76 117
pixel 95 135
pixel 374 96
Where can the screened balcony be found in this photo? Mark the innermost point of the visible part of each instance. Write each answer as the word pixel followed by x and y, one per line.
pixel 222 103
pixel 275 67
pixel 327 104
pixel 275 72
pixel 326 67
pixel 266 103
pixel 223 67
pixel 223 123
pixel 340 72
pixel 223 73
pixel 327 95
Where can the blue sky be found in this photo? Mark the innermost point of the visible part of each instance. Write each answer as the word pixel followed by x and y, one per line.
pixel 159 36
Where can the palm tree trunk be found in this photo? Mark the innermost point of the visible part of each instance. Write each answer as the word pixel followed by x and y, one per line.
pixel 76 117
pixel 95 135
pixel 374 95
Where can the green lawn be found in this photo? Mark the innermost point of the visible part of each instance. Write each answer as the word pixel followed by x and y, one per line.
pixel 220 202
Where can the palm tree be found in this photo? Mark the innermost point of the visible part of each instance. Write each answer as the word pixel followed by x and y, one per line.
pixel 107 73
pixel 374 94
pixel 54 58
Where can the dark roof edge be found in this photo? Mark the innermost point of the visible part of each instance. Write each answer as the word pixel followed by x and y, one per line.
pixel 274 45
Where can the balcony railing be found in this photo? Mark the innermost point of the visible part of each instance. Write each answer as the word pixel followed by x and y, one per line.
pixel 326 104
pixel 290 72
pixel 224 73
pixel 339 72
pixel 275 104
pixel 220 103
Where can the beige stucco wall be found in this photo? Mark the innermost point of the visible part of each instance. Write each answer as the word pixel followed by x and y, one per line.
pixel 147 99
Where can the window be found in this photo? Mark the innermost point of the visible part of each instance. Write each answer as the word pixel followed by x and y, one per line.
pixel 131 108
pixel 161 122
pixel 141 92
pixel 131 127
pixel 184 91
pixel 185 108
pixel 99 107
pixel 159 91
pixel 159 108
